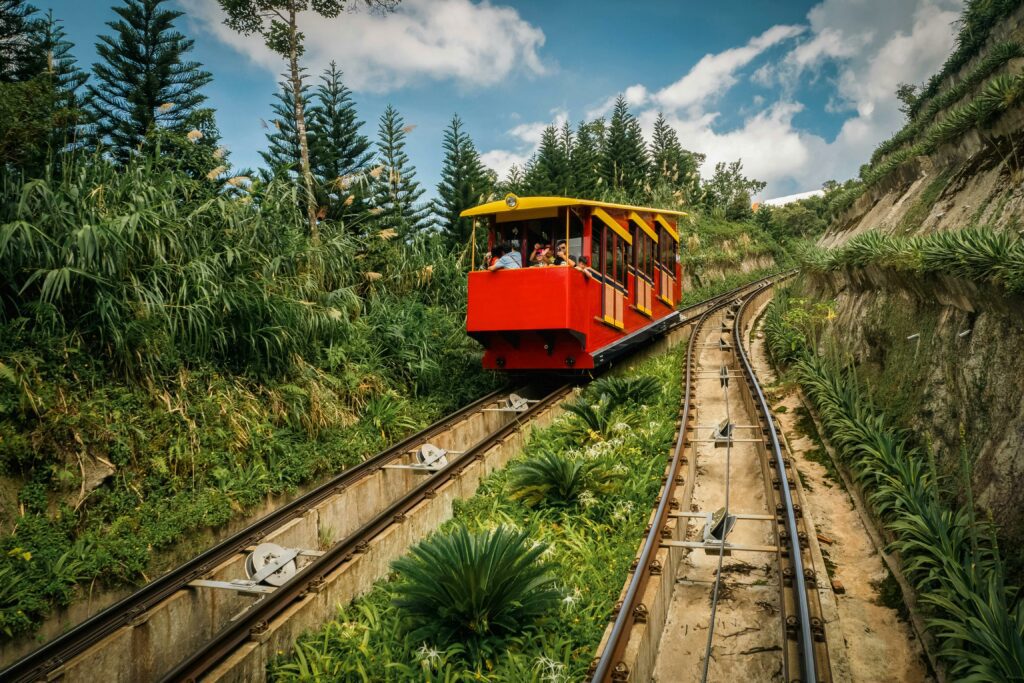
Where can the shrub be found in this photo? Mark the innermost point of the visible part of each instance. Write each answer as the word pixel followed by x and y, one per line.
pixel 626 390
pixel 557 479
pixel 477 587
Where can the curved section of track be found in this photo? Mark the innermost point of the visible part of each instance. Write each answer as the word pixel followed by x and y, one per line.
pixel 806 657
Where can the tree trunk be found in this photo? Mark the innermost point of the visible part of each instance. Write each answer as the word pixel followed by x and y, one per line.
pixel 300 127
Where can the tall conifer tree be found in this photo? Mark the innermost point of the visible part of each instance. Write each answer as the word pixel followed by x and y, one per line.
pixel 464 183
pixel 66 79
pixel 397 193
pixel 624 161
pixel 671 165
pixel 284 153
pixel 20 60
pixel 550 172
pixel 586 159
pixel 143 79
pixel 337 148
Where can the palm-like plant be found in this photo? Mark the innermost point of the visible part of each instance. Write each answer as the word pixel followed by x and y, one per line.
pixel 474 586
pixel 556 479
pixel 622 391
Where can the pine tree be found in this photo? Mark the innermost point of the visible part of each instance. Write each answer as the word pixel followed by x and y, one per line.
pixel 20 59
pixel 550 172
pixel 66 79
pixel 624 160
pixel 143 80
pixel 397 192
pixel 514 182
pixel 672 166
pixel 284 153
pixel 464 183
pixel 585 159
pixel 336 147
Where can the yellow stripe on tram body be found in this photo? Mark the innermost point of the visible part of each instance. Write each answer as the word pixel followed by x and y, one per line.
pixel 668 228
pixel 613 224
pixel 635 217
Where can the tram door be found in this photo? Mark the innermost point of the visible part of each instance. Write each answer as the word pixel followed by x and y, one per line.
pixel 643 267
pixel 666 266
pixel 611 252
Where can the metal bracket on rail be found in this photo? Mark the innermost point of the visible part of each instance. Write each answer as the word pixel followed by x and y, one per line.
pixel 513 404
pixel 266 567
pixel 429 459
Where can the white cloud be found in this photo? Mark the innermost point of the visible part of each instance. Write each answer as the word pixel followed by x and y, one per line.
pixel 714 74
pixel 527 138
pixel 875 44
pixel 472 44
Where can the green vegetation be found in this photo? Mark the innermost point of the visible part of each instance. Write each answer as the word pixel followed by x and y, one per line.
pixel 474 588
pixel 981 255
pixel 949 555
pixel 587 545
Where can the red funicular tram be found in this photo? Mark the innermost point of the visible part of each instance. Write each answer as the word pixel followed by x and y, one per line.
pixel 573 318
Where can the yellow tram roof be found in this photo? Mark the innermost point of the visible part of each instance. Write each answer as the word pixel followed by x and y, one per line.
pixel 533 203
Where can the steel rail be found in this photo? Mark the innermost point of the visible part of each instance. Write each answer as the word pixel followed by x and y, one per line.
pixel 41 661
pixel 617 640
pixel 261 613
pixel 806 639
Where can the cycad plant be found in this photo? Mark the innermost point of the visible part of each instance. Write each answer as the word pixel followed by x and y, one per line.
pixel 554 478
pixel 622 391
pixel 474 587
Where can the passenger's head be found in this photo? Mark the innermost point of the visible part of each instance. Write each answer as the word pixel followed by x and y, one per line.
pixel 560 247
pixel 584 260
pixel 498 250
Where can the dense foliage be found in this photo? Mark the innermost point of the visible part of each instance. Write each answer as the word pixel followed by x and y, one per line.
pixel 588 545
pixel 949 555
pixel 982 255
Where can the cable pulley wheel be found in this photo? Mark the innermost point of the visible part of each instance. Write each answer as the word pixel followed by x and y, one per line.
pixel 265 554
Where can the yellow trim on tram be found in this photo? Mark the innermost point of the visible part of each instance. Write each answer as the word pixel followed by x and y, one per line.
pixel 614 225
pixel 525 203
pixel 668 227
pixel 635 217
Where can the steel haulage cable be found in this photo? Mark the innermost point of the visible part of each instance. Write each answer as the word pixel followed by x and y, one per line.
pixel 725 529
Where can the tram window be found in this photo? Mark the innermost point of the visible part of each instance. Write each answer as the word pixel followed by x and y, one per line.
pixel 597 234
pixel 608 256
pixel 621 256
pixel 575 245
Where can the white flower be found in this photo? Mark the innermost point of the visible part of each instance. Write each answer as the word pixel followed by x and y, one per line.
pixel 620 427
pixel 587 499
pixel 429 656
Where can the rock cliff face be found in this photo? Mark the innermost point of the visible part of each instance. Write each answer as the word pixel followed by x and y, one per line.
pixel 943 356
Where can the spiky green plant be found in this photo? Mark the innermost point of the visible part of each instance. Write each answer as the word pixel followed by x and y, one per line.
pixel 557 479
pixel 977 619
pixel 473 587
pixel 626 390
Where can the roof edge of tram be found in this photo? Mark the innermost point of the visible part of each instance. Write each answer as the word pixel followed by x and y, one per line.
pixel 528 203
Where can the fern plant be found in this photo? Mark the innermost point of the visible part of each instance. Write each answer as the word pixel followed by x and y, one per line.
pixel 474 587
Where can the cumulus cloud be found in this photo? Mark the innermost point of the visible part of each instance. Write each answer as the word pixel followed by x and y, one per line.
pixel 873 44
pixel 716 73
pixel 526 139
pixel 472 44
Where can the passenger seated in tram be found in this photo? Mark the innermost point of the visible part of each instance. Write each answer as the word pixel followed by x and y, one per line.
pixel 507 259
pixel 562 255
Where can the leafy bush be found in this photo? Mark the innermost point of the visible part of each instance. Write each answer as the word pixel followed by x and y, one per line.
pixel 472 587
pixel 977 254
pixel 557 479
pixel 625 390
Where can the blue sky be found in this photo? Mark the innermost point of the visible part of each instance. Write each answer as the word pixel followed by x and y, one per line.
pixel 800 90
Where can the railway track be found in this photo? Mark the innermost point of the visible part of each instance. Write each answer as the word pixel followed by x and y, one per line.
pixel 629 650
pixel 188 623
pixel 145 635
